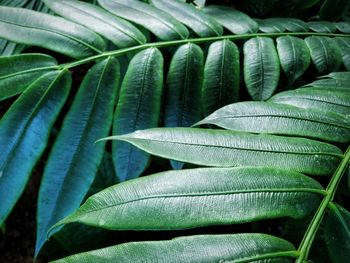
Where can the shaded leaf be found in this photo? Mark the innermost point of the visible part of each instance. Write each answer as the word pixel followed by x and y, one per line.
pixel 343 27
pixel 344 45
pixel 322 26
pixel 340 75
pixel 333 9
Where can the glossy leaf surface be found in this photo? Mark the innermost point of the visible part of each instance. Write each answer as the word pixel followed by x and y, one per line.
pixel 322 26
pixel 344 45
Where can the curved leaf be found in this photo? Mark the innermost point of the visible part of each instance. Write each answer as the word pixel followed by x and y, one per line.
pixel 340 75
pixel 232 19
pixel 158 22
pixel 51 32
pixel 194 249
pixel 17 72
pixel 325 53
pixel 264 117
pixel 182 107
pixel 344 45
pixel 280 24
pixel 322 26
pixel 332 84
pixel 71 167
pixel 138 108
pixel 118 31
pixel 228 148
pixel 316 98
pixel 174 199
pixel 261 67
pixel 221 76
pixel 333 9
pixel 294 56
pixel 24 132
pixel 343 27
pixel 270 26
pixel 202 24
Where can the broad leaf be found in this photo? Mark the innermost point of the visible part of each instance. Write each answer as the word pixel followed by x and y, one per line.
pixel 194 249
pixel 221 76
pixel 344 45
pixel 75 158
pixel 322 26
pixel 158 22
pixel 17 72
pixel 118 31
pixel 138 108
pixel 261 67
pixel 294 56
pixel 202 24
pixel 325 53
pixel 232 19
pixel 51 32
pixel 24 132
pixel 333 9
pixel 228 148
pixel 174 199
pixel 273 118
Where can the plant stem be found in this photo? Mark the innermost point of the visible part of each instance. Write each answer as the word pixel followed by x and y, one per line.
pixel 123 51
pixel 310 234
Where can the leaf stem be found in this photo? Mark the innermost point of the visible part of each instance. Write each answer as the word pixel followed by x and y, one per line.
pixel 162 44
pixel 310 233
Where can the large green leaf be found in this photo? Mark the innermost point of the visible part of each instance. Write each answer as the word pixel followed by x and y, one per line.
pixel 344 45
pixel 202 24
pixel 221 76
pixel 261 67
pixel 75 158
pixel 17 72
pixel 294 56
pixel 174 199
pixel 337 233
pixel 325 53
pixel 194 249
pixel 273 118
pixel 158 22
pixel 24 132
pixel 316 98
pixel 228 148
pixel 232 19
pixel 138 108
pixel 333 9
pixel 322 26
pixel 51 32
pixel 117 30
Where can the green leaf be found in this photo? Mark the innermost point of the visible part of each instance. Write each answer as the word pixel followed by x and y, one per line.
pixel 221 76
pixel 337 233
pixel 333 9
pixel 17 72
pixel 202 24
pixel 343 27
pixel 270 26
pixel 228 148
pixel 273 118
pixel 332 84
pixel 138 108
pixel 194 249
pixel 344 45
pixel 325 53
pixel 340 75
pixel 118 31
pixel 182 106
pixel 24 132
pixel 174 199
pixel 294 56
pixel 232 19
pixel 261 67
pixel 75 158
pixel 322 26
pixel 316 98
pixel 279 24
pixel 47 31
pixel 158 22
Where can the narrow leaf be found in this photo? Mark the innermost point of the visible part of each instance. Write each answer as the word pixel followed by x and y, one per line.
pixel 294 56
pixel 221 76
pixel 17 72
pixel 75 158
pixel 340 75
pixel 202 24
pixel 194 249
pixel 232 19
pixel 118 31
pixel 273 118
pixel 138 108
pixel 24 132
pixel 47 31
pixel 261 67
pixel 325 53
pixel 344 45
pixel 158 22
pixel 322 26
pixel 228 148
pixel 174 199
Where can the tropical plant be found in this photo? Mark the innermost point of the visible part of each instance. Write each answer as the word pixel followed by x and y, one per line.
pixel 169 64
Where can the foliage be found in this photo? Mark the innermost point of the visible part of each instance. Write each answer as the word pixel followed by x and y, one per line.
pixel 188 68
